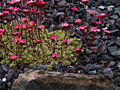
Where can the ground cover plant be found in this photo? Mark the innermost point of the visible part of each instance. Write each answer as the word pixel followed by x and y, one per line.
pixel 25 39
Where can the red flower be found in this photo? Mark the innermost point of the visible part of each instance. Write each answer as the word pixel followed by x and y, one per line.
pixel 23 19
pixel 29 29
pixel 16 39
pixel 37 3
pixel 77 49
pixel 94 29
pixel 103 15
pixel 53 55
pixel 78 21
pixel 40 27
pixel 5 12
pixel 38 40
pixel 24 6
pixel 16 33
pixel 84 1
pixel 65 25
pixel 13 57
pixel 21 41
pixel 74 8
pixel 16 26
pixel 24 26
pixel 97 22
pixel 66 41
pixel 26 10
pixel 54 37
pixel 1 14
pixel 43 3
pixel 91 13
pixel 106 31
pixel 97 16
pixel 31 23
pixel 82 27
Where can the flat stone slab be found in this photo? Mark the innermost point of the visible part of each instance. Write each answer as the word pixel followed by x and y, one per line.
pixel 45 80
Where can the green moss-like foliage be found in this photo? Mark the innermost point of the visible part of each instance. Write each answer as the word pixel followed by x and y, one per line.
pixel 37 53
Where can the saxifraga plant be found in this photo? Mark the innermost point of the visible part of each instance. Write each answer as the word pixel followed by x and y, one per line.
pixel 27 41
pixel 30 43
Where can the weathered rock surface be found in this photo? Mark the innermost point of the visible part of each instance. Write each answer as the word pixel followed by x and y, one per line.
pixel 42 80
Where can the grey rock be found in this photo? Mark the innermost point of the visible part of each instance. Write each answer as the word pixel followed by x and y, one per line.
pixel 110 8
pixel 112 21
pixel 35 80
pixel 106 57
pixel 114 17
pixel 5 68
pixel 41 67
pixel 114 31
pixel 112 48
pixel 102 7
pixel 92 72
pixel 118 65
pixel 116 53
pixel 117 79
pixel 4 79
pixel 112 63
pixel 117 88
pixel 9 84
pixel 117 10
pixel 106 71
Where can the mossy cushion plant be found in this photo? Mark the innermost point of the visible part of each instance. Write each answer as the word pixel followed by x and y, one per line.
pixel 27 42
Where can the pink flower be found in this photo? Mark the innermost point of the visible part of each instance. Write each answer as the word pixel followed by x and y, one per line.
pixel 16 39
pixel 37 12
pixel 53 55
pixel 0 36
pixel 43 3
pixel 40 26
pixel 16 26
pixel 16 9
pixel 97 16
pixel 16 33
pixel 38 40
pixel 13 57
pixel 1 30
pixel 30 1
pixel 97 22
pixel 82 27
pixel 37 3
pixel 106 31
pixel 103 15
pixel 94 29
pixel 21 42
pixel 32 11
pixel 1 14
pixel 78 21
pixel 23 19
pixel 24 26
pixel 5 12
pixel 54 37
pixel 74 8
pixel 65 25
pixel 77 49
pixel 29 29
pixel 10 8
pixel 31 23
pixel 91 13
pixel 26 10
pixel 23 6
pixel 66 41
pixel 84 1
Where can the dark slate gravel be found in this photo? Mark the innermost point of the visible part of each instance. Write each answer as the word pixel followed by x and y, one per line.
pixel 108 52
